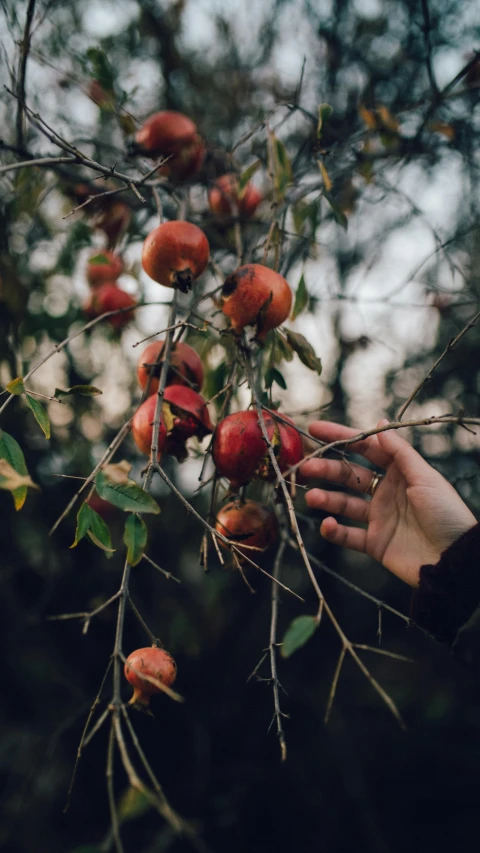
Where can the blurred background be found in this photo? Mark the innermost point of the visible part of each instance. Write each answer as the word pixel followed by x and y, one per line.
pixel 385 239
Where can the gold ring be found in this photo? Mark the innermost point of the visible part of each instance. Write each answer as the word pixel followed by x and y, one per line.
pixel 376 479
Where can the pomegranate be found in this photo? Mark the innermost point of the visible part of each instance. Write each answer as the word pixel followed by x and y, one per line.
pixel 113 219
pixel 143 664
pixel 240 452
pixel 109 297
pixel 175 253
pixel 248 523
pixel 254 295
pixel 186 366
pixel 103 266
pixel 227 191
pixel 173 135
pixel 184 414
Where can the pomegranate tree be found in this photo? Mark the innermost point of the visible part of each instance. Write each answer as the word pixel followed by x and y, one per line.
pixel 109 297
pixel 185 367
pixel 143 668
pixel 175 254
pixel 226 198
pixel 174 136
pixel 184 415
pixel 247 523
pixel 103 266
pixel 254 295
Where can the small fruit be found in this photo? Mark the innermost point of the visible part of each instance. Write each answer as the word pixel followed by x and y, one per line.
pixel 248 523
pixel 173 135
pixel 109 297
pixel 184 414
pixel 113 219
pixel 240 452
pixel 103 266
pixel 175 254
pixel 145 664
pixel 186 366
pixel 254 295
pixel 226 195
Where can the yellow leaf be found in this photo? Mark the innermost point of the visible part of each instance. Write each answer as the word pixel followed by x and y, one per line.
pixel 118 472
pixel 325 176
pixel 11 479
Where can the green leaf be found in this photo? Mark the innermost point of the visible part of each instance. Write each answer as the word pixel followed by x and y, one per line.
pixel 337 211
pixel 301 298
pixel 304 350
pixel 248 174
pixel 132 804
pixel 281 349
pixel 81 390
pixel 83 523
pixel 40 414
pixel 101 68
pixel 297 634
pixel 127 496
pixel 273 375
pixel 135 538
pixel 324 113
pixel 99 259
pixel 16 386
pixel 283 169
pixel 13 453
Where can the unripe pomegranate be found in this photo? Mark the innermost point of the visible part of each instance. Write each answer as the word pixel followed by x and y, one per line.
pixel 186 366
pixel 109 297
pixel 247 523
pixel 175 254
pixel 173 135
pixel 240 452
pixel 103 266
pixel 226 195
pixel 184 414
pixel 149 663
pixel 254 295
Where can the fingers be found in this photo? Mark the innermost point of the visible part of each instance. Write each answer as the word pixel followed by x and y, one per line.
pixel 354 477
pixel 370 447
pixel 409 462
pixel 339 503
pixel 350 537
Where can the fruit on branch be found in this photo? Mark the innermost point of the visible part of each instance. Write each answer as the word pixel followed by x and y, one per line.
pixel 173 135
pixel 184 415
pixel 109 297
pixel 226 195
pixel 247 523
pixel 98 95
pixel 113 219
pixel 255 295
pixel 175 254
pixel 103 266
pixel 149 663
pixel 185 368
pixel 240 452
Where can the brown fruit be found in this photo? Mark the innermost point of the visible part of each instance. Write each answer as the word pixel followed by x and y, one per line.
pixel 184 414
pixel 173 135
pixel 175 254
pixel 255 295
pixel 226 195
pixel 149 663
pixel 186 366
pixel 103 266
pixel 240 452
pixel 248 523
pixel 109 297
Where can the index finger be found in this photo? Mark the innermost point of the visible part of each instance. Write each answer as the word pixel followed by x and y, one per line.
pixel 370 448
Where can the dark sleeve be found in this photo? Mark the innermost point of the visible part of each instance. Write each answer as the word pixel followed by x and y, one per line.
pixel 448 595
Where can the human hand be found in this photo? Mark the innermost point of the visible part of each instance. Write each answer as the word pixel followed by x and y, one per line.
pixel 414 514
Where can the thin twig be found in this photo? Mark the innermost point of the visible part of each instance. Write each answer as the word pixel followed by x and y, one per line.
pixel 272 649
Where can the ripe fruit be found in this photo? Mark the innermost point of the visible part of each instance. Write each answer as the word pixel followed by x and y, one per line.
pixel 248 523
pixel 240 452
pixel 184 414
pixel 186 366
pixel 254 295
pixel 113 219
pixel 226 195
pixel 103 266
pixel 175 253
pixel 173 135
pixel 147 663
pixel 109 297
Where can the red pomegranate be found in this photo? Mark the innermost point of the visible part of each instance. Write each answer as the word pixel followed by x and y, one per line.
pixel 149 663
pixel 248 523
pixel 103 266
pixel 113 219
pixel 186 366
pixel 226 195
pixel 184 414
pixel 175 254
pixel 240 452
pixel 173 135
pixel 109 297
pixel 254 295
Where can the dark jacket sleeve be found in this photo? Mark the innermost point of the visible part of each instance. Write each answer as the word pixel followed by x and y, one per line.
pixel 447 601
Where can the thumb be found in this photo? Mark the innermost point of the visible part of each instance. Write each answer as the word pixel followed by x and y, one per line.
pixel 409 462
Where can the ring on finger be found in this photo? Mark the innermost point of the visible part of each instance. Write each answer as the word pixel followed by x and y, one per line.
pixel 376 479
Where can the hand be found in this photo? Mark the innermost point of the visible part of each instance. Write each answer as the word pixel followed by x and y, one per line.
pixel 414 515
